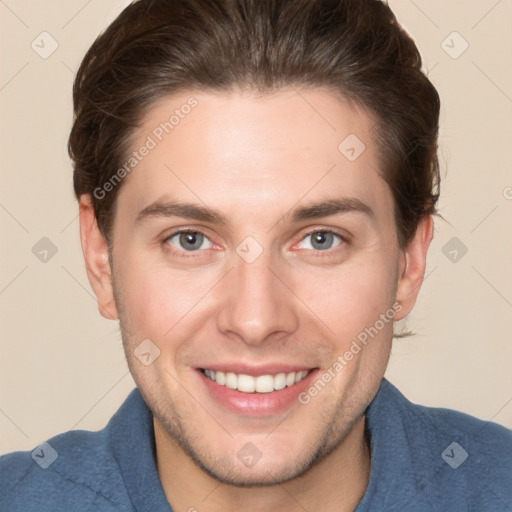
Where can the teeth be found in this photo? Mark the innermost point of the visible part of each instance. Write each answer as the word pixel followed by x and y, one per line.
pixel 231 380
pixel 260 384
pixel 264 384
pixel 246 383
pixel 280 381
pixel 290 378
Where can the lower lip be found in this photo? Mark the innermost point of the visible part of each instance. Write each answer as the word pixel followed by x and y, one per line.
pixel 257 404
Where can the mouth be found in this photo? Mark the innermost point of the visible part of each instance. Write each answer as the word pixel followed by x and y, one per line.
pixel 255 384
pixel 256 391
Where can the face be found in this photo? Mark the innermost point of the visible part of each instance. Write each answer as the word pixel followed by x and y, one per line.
pixel 251 247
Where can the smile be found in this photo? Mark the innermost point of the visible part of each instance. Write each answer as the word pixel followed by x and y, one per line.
pixel 259 384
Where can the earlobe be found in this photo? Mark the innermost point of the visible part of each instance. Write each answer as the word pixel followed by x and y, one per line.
pixel 412 267
pixel 95 250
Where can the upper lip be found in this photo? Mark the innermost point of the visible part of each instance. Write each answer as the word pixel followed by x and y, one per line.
pixel 255 370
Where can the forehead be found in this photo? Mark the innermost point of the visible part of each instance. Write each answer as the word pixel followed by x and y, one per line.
pixel 263 153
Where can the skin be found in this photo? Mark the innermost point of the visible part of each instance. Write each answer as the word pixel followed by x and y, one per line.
pixel 255 159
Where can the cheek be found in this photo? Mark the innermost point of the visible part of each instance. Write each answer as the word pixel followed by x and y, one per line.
pixel 156 298
pixel 352 297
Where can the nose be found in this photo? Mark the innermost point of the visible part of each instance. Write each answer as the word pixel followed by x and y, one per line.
pixel 257 305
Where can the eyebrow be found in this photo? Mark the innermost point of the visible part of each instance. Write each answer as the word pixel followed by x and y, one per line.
pixel 331 207
pixel 321 209
pixel 185 210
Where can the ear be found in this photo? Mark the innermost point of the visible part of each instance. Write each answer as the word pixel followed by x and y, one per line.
pixel 412 267
pixel 95 249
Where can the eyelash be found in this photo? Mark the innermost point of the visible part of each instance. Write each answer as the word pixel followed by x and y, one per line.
pixel 328 252
pixel 195 254
pixel 180 253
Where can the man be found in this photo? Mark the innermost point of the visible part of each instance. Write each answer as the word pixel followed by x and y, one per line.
pixel 256 184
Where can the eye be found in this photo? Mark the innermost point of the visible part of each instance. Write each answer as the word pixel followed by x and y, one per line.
pixel 321 240
pixel 189 241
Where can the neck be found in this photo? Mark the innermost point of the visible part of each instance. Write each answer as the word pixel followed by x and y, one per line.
pixel 338 481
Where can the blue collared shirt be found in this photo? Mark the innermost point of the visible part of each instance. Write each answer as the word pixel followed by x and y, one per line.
pixel 422 459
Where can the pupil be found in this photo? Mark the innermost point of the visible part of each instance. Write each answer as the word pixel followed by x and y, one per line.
pixel 321 239
pixel 191 241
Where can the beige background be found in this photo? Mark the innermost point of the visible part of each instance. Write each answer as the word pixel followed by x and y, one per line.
pixel 61 363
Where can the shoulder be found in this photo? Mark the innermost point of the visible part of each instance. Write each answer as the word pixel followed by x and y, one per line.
pixel 484 441
pixel 71 471
pixel 486 437
pixel 451 458
pixel 476 459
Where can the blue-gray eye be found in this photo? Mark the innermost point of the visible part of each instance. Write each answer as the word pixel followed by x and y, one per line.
pixel 189 240
pixel 321 240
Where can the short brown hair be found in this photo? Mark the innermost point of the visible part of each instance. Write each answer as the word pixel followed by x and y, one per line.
pixel 355 48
